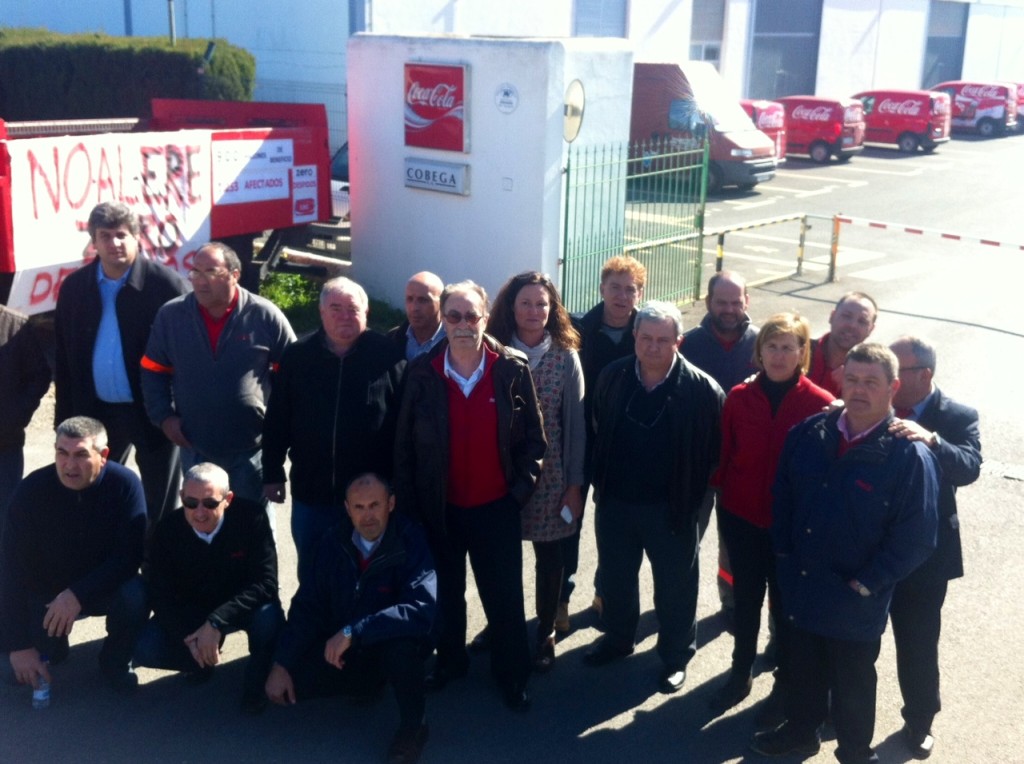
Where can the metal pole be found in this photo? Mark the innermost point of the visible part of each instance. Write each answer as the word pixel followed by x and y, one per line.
pixel 800 246
pixel 720 253
pixel 834 252
pixel 170 22
pixel 128 18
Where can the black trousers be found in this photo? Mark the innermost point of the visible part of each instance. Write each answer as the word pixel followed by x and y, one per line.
pixel 916 614
pixel 158 459
pixel 820 665
pixel 753 571
pixel 398 662
pixel 491 535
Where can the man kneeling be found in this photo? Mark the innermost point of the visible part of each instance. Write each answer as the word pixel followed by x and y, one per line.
pixel 212 570
pixel 365 615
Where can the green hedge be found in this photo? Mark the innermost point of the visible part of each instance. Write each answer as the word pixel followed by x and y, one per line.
pixel 44 75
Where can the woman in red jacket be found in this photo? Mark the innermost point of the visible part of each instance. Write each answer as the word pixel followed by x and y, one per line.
pixel 755 420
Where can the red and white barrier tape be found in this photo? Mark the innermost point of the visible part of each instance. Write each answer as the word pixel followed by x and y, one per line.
pixel 926 232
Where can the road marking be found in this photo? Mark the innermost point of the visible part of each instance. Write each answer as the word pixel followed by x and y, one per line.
pixel 819 178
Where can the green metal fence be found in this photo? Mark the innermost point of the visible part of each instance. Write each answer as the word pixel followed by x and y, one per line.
pixel 645 200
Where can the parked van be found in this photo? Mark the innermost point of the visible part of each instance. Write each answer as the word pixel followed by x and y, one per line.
pixel 1020 107
pixel 908 118
pixel 823 127
pixel 677 102
pixel 770 118
pixel 990 108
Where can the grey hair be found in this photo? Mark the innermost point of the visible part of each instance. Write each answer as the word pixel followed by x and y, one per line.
pixel 923 351
pixel 342 285
pixel 84 427
pixel 657 310
pixel 208 472
pixel 465 287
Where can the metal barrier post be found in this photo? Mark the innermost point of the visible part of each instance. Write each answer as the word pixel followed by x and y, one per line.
pixel 720 253
pixel 800 246
pixel 834 252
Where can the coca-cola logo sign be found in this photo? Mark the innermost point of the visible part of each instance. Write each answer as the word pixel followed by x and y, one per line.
pixel 771 120
pixel 812 113
pixel 981 91
pixel 435 115
pixel 908 108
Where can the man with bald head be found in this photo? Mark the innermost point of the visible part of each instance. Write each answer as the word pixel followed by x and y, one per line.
pixel 850 323
pixel 332 410
pixel 421 330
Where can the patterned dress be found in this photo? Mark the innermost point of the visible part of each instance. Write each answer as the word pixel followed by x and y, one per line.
pixel 541 516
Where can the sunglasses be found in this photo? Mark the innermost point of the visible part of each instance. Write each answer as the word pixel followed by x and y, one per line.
pixel 454 317
pixel 209 502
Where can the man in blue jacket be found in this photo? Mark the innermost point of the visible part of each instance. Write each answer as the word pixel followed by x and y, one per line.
pixel 854 512
pixel 366 615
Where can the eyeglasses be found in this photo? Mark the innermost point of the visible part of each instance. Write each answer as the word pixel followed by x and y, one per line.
pixel 455 317
pixel 190 502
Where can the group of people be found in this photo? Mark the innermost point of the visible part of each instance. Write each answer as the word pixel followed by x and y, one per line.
pixel 463 432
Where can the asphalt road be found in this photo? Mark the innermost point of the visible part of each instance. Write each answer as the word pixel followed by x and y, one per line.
pixel 962 296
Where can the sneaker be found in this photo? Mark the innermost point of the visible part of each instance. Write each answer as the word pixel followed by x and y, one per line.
pixel 408 745
pixel 784 741
pixel 562 624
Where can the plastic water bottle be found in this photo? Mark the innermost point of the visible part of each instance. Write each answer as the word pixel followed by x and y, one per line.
pixel 41 694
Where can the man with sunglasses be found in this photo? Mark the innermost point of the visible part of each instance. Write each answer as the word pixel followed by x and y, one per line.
pixel 657 426
pixel 207 368
pixel 468 454
pixel 211 570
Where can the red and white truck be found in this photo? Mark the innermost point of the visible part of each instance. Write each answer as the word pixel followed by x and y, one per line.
pixel 770 118
pixel 990 108
pixel 907 118
pixel 193 171
pixel 824 127
pixel 673 101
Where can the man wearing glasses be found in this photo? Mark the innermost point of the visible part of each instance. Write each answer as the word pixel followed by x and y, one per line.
pixel 657 424
pixel 206 371
pixel 104 314
pixel 468 453
pixel 332 411
pixel 212 570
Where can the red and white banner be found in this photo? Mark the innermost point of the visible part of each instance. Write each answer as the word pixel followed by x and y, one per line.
pixel 435 106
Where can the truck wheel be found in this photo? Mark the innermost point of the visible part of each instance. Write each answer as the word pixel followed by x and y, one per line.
pixel 820 152
pixel 714 179
pixel 986 128
pixel 908 143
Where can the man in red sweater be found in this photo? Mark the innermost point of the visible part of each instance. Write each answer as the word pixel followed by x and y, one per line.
pixel 468 454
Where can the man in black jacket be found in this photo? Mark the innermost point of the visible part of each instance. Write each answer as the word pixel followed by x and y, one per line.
pixel 332 410
pixel 212 570
pixel 950 430
pixel 365 615
pixel 104 314
pixel 422 329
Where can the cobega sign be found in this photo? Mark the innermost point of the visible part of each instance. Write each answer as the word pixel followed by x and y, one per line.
pixel 449 177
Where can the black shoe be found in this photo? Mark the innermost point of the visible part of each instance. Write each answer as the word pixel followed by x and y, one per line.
pixel 671 680
pixel 920 744
pixel 200 675
pixel 516 698
pixel 253 703
pixel 734 691
pixel 481 643
pixel 785 741
pixel 442 675
pixel 772 711
pixel 605 652
pixel 123 681
pixel 408 745
pixel 544 658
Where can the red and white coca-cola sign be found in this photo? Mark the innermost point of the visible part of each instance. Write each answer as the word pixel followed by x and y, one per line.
pixel 910 107
pixel 812 114
pixel 981 91
pixel 771 119
pixel 435 100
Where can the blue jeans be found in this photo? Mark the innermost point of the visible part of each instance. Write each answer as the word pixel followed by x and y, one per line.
pixel 624 533
pixel 309 524
pixel 156 648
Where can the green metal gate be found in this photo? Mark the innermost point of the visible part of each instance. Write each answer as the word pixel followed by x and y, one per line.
pixel 644 200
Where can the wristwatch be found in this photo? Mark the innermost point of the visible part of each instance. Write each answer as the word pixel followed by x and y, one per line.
pixel 347 632
pixel 862 590
pixel 213 623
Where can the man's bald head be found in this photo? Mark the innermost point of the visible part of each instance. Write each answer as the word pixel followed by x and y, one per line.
pixel 423 304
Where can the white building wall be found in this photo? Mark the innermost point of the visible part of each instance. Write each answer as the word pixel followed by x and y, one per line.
pixel 736 44
pixel 522 18
pixel 660 31
pixel 994 49
pixel 510 221
pixel 902 39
